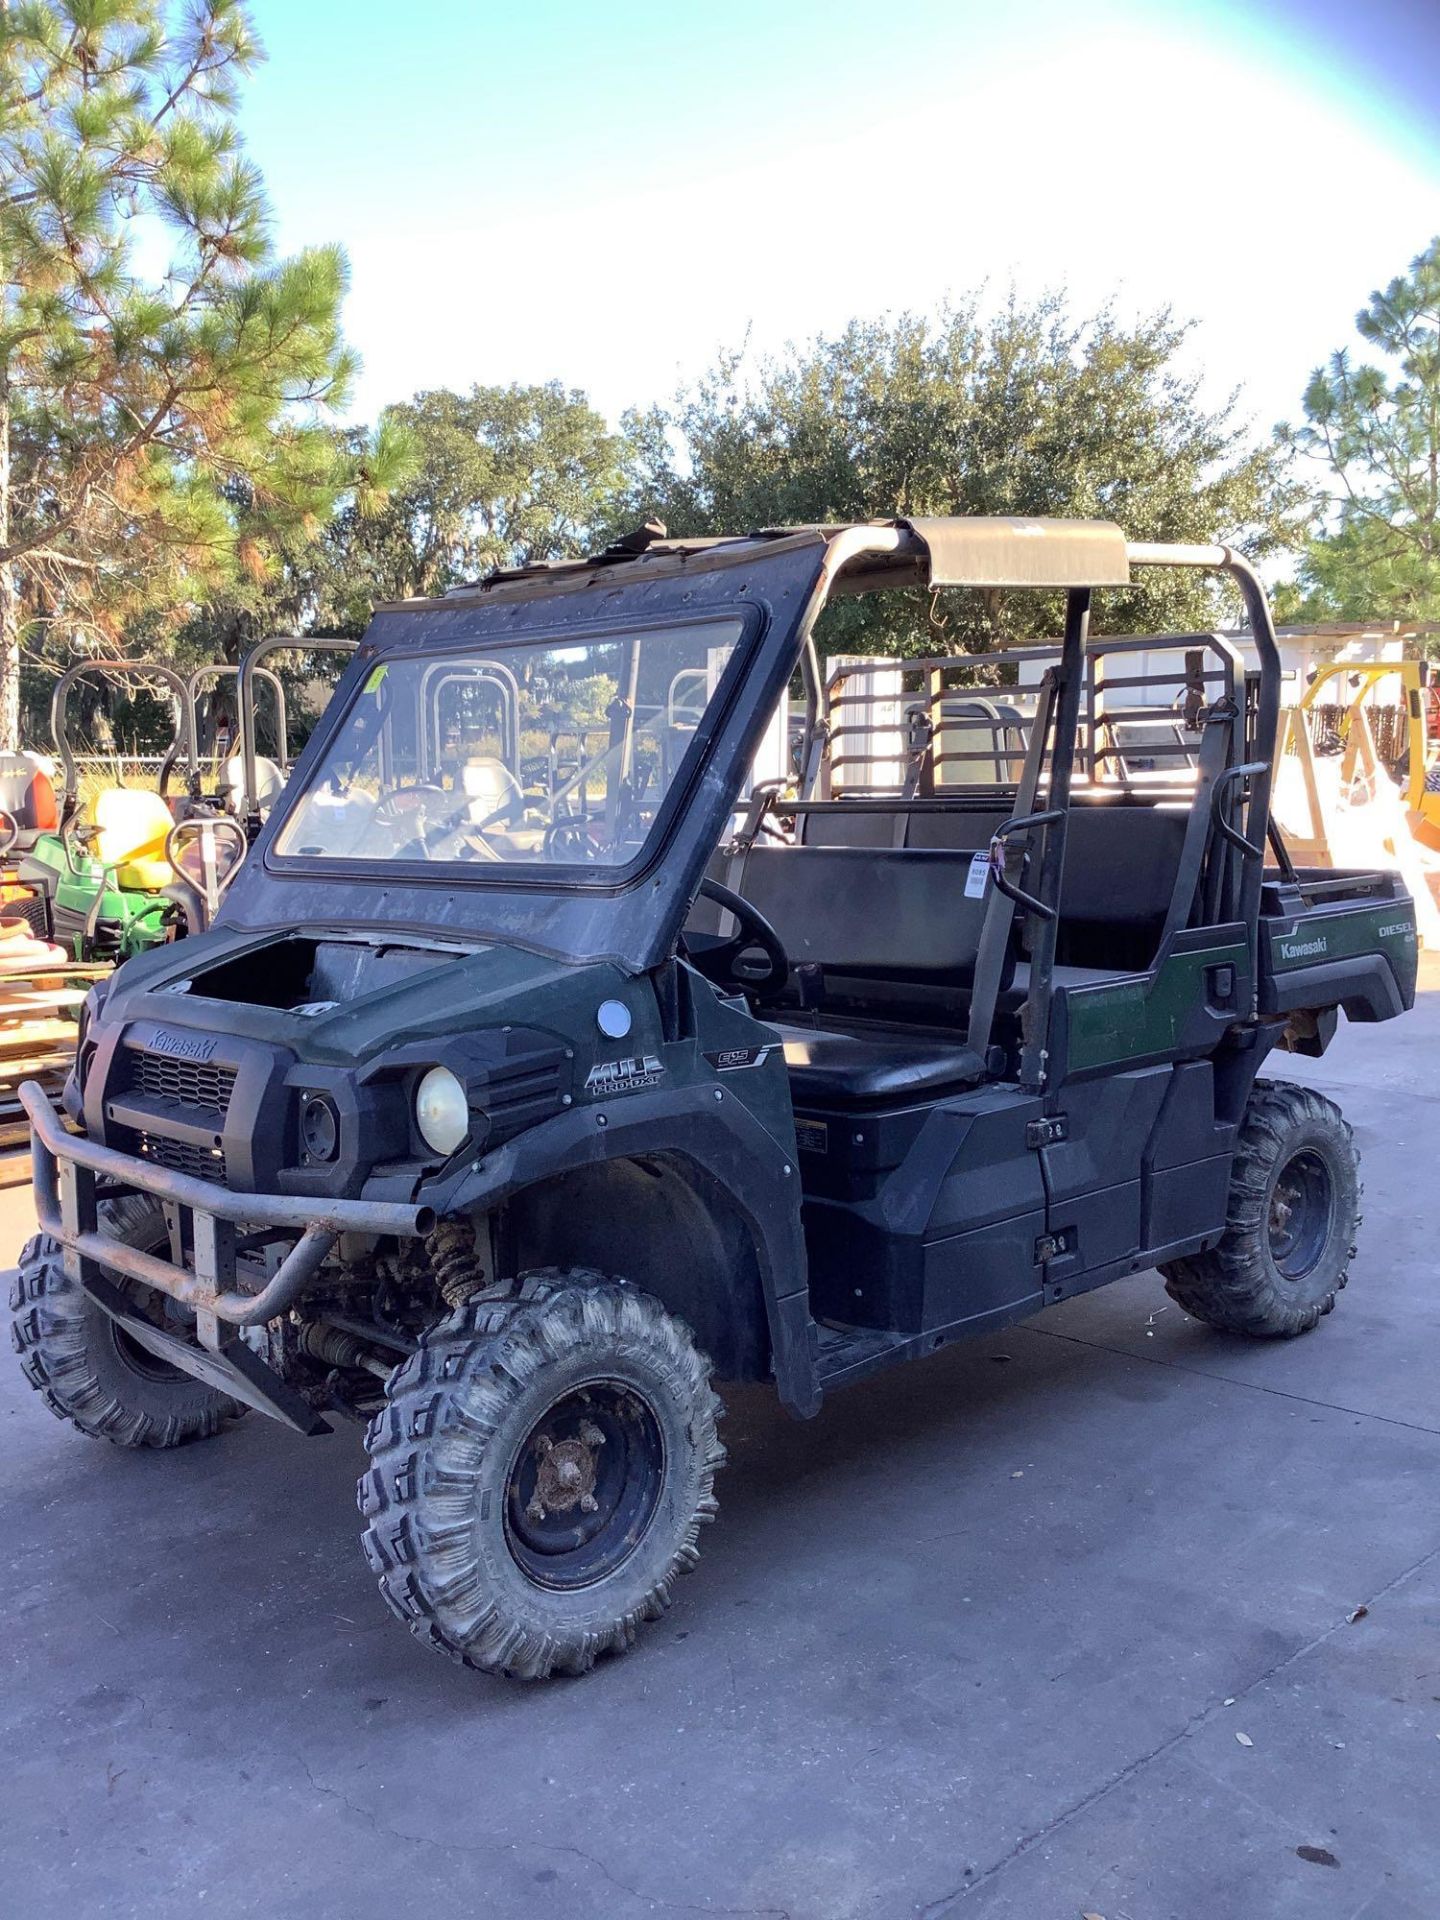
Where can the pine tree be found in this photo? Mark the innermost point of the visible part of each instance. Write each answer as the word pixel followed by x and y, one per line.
pixel 136 408
pixel 1374 429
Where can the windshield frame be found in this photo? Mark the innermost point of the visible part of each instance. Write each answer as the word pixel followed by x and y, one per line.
pixel 544 876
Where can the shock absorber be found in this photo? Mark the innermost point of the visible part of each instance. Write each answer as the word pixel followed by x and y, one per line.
pixel 455 1260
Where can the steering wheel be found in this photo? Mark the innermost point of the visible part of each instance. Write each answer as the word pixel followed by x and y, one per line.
pixel 714 954
pixel 397 807
pixel 394 807
pixel 204 835
pixel 568 839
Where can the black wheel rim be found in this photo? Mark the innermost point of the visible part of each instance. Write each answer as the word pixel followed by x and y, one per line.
pixel 151 1306
pixel 584 1485
pixel 140 1359
pixel 1302 1211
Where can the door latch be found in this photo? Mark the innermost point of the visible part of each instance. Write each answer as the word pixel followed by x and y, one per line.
pixel 1220 983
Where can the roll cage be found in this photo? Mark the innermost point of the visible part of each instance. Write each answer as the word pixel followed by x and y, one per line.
pixel 146 676
pixel 785 580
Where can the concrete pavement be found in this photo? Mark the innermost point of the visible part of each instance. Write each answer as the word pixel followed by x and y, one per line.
pixel 980 1642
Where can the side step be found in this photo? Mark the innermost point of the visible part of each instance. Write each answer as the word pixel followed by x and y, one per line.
pixel 845 1353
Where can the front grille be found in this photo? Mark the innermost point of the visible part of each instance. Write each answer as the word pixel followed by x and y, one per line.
pixel 189 1083
pixel 179 1156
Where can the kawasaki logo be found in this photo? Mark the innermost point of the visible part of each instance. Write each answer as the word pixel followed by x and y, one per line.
pixel 1303 949
pixel 182 1046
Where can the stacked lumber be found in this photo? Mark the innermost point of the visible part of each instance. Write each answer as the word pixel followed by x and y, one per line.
pixel 40 996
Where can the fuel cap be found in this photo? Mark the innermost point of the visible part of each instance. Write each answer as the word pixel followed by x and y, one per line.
pixel 613 1019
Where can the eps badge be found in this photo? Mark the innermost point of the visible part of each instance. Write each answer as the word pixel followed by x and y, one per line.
pixel 625 1076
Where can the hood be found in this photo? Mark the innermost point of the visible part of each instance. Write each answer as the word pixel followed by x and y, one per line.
pixel 335 998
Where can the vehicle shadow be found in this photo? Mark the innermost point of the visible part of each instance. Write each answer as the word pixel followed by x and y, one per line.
pixel 263 1527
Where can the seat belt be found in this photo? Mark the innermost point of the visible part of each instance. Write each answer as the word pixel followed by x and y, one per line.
pixel 999 909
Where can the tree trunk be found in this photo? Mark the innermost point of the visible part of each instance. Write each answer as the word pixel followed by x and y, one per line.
pixel 9 595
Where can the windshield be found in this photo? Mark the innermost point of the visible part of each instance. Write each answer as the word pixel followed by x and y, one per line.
pixel 513 754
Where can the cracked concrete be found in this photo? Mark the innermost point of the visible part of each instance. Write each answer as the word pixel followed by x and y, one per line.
pixel 978 1643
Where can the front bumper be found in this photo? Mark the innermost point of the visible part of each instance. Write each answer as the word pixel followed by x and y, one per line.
pixel 68 1166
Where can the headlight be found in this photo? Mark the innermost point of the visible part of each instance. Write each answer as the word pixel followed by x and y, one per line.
pixel 442 1113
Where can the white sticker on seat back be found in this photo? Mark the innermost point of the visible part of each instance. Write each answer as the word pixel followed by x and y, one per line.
pixel 978 876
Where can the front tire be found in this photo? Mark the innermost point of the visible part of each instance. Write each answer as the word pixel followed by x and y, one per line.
pixel 1291 1220
pixel 87 1369
pixel 540 1473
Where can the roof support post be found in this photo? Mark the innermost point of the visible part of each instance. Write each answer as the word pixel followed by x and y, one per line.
pixel 1070 678
pixel 245 701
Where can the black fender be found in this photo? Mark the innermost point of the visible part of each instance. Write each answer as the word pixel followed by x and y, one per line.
pixel 710 1127
pixel 1363 984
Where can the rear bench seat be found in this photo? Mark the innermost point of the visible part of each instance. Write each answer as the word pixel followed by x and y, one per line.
pixel 872 909
pixel 1121 860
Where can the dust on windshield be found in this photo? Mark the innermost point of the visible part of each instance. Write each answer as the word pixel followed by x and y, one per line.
pixel 516 754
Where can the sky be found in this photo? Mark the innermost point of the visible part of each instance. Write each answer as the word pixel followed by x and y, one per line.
pixel 609 195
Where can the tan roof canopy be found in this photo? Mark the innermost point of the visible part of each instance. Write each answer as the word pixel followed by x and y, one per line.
pixel 976 551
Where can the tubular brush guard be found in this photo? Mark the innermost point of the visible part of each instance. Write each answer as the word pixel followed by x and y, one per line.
pixel 66 1168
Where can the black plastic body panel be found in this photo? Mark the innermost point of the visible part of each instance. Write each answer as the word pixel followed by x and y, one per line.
pixel 1364 985
pixel 926 1217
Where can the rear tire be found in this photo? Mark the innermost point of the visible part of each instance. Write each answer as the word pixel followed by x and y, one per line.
pixel 540 1473
pixel 1291 1220
pixel 85 1368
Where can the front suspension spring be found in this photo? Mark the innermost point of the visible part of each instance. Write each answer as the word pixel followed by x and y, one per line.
pixel 455 1260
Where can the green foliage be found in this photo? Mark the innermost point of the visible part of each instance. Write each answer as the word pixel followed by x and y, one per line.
pixel 447 486
pixel 500 476
pixel 161 433
pixel 1028 412
pixel 299 579
pixel 1374 430
pixel 169 481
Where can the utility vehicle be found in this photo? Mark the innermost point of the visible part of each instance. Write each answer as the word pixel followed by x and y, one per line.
pixel 508 1111
pixel 150 865
pixel 145 867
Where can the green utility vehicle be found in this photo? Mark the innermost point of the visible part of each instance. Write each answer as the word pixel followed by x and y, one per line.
pixel 522 1092
pixel 147 866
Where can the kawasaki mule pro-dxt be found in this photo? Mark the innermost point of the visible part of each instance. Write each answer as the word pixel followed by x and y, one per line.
pixel 519 1093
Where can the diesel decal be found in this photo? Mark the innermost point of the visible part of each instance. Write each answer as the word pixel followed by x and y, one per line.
pixel 625 1076
pixel 1397 929
pixel 731 1059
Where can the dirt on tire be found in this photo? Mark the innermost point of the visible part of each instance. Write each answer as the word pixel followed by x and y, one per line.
pixel 442 1455
pixel 85 1369
pixel 1237 1285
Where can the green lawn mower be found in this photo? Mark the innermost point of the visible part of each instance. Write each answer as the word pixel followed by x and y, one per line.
pixel 149 865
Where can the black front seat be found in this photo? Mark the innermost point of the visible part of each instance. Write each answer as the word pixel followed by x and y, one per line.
pixel 842 1069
